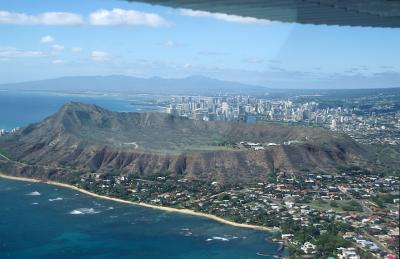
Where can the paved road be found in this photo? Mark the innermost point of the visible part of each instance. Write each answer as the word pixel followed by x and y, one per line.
pixel 366 208
pixel 6 158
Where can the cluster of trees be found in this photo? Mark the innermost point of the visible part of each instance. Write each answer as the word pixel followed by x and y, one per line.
pixel 353 170
pixel 352 206
pixel 326 236
pixel 383 199
pixel 225 143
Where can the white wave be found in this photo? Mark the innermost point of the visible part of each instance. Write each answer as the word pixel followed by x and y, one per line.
pixel 35 203
pixel 35 193
pixel 56 199
pixel 186 232
pixel 221 239
pixel 82 211
pixel 97 204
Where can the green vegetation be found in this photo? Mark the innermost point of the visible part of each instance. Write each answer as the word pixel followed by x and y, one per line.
pixel 272 177
pixel 107 139
pixel 353 170
pixel 387 156
pixel 352 206
pixel 336 205
pixel 5 153
pixel 382 199
pixel 326 237
pixel 328 243
pixel 164 133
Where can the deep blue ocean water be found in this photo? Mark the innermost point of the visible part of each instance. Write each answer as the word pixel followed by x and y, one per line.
pixel 62 223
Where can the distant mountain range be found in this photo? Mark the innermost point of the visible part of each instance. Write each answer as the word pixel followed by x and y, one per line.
pixel 193 85
pixel 87 138
pixel 127 84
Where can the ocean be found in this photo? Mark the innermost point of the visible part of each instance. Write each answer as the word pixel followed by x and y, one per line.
pixel 44 221
pixel 18 109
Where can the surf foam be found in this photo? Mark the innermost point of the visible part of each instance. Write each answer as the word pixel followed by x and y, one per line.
pixel 83 211
pixel 35 193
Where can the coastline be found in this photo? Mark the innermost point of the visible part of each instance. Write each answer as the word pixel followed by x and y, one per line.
pixel 163 208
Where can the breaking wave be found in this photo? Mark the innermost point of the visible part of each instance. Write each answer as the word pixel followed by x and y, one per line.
pixel 35 193
pixel 83 211
pixel 56 199
pixel 223 239
pixel 218 238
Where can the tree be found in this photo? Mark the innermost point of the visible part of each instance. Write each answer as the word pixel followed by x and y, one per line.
pixel 334 204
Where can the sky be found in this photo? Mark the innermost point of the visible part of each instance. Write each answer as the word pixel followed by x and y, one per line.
pixel 50 39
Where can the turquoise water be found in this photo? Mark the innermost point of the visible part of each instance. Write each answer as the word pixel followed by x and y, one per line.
pixel 61 223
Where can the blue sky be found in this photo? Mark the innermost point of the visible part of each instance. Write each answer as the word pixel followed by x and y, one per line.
pixel 48 39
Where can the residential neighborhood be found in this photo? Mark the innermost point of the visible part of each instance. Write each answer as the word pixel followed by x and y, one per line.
pixel 349 215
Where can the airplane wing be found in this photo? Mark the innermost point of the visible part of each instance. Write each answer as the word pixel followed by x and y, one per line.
pixel 371 13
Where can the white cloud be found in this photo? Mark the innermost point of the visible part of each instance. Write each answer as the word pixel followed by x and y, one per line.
pixel 76 50
pixel 187 66
pixel 58 61
pixel 47 39
pixel 206 52
pixel 100 56
pixel 171 44
pixel 119 16
pixel 11 52
pixel 224 17
pixel 49 18
pixel 102 17
pixel 253 60
pixel 58 47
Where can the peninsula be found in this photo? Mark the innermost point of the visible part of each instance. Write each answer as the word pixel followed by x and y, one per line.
pixel 261 176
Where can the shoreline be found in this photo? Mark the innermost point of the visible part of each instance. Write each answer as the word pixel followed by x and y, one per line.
pixel 163 208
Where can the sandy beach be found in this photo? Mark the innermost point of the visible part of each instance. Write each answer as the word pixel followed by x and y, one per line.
pixel 163 208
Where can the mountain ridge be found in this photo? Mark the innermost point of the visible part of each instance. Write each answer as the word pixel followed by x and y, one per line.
pixel 192 85
pixel 136 85
pixel 91 139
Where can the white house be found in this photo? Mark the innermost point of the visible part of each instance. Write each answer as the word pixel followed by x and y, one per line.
pixel 308 248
